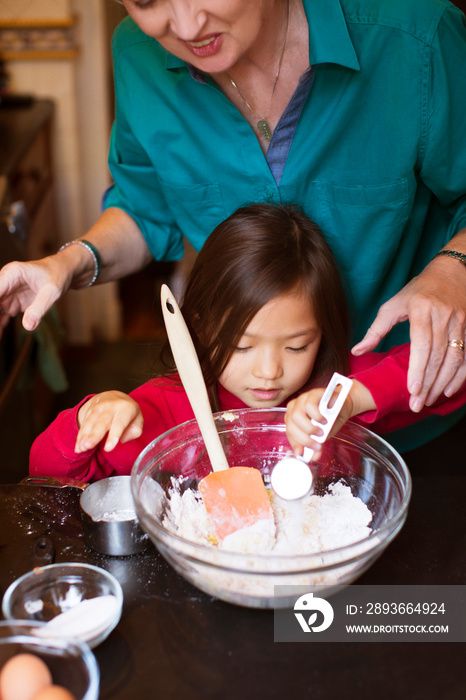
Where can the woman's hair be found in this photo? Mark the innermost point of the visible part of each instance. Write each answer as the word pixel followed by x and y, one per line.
pixel 259 252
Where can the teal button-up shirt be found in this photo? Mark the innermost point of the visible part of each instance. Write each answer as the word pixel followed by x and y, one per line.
pixel 378 158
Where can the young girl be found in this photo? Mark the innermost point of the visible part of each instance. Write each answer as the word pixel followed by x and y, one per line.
pixel 267 312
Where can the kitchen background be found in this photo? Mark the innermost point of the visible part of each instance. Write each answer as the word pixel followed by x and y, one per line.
pixel 58 51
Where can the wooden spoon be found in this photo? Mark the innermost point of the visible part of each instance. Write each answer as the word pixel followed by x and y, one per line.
pixel 234 497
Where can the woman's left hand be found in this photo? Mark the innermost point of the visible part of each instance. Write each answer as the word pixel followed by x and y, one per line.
pixel 434 302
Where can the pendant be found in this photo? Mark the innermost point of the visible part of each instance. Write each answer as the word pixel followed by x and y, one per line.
pixel 264 129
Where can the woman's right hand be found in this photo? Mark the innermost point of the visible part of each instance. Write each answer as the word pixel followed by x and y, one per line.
pixel 111 412
pixel 31 288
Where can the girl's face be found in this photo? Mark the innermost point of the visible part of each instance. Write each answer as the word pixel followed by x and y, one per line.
pixel 276 354
pixel 210 34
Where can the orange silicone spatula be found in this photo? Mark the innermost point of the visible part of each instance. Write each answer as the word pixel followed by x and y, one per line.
pixel 234 497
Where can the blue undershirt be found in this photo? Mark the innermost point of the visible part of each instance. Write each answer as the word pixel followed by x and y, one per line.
pixel 282 137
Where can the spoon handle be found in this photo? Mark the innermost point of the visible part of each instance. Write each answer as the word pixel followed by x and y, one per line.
pixel 189 369
pixel 330 413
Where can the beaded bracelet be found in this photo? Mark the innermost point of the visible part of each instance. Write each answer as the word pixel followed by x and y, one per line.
pixel 453 254
pixel 95 255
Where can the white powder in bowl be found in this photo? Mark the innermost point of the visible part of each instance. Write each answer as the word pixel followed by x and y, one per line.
pixel 312 524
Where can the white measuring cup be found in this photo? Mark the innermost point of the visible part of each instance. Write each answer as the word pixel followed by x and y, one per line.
pixel 291 477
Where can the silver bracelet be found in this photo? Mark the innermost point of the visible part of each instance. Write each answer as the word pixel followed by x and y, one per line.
pixel 95 255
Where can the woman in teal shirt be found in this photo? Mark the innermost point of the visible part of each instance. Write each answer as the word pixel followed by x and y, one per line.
pixel 353 110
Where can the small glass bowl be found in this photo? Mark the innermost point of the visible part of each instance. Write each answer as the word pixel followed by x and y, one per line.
pixel 45 592
pixel 71 662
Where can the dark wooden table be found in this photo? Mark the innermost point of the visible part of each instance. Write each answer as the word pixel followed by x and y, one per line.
pixel 175 642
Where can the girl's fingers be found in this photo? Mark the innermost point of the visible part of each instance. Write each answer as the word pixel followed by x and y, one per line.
pixel 121 432
pixel 89 436
pixel 133 431
pixel 298 420
pixel 110 414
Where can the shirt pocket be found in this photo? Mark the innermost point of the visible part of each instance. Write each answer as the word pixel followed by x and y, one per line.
pixel 196 209
pixel 364 224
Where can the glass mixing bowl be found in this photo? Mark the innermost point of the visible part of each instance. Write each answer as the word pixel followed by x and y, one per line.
pixel 356 457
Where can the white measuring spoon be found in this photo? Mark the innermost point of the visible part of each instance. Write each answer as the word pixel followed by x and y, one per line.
pixel 291 478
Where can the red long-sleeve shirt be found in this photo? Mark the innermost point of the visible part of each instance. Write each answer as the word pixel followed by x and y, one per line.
pixel 164 404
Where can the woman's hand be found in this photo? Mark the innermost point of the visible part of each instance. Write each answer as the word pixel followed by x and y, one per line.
pixel 435 305
pixel 300 412
pixel 32 288
pixel 111 412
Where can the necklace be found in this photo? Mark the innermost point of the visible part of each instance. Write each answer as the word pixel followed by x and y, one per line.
pixel 262 123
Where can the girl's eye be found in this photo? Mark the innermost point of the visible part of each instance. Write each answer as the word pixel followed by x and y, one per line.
pixel 301 349
pixel 143 5
pixel 242 349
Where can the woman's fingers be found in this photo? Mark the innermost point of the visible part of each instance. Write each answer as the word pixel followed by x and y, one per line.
pixel 427 349
pixel 31 288
pixel 434 363
pixel 389 314
pixel 457 382
pixel 435 305
pixel 43 301
pixel 452 373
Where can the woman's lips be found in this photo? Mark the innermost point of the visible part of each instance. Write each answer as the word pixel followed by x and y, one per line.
pixel 265 394
pixel 205 46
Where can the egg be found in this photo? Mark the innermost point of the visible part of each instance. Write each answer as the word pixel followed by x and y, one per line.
pixel 54 692
pixel 23 676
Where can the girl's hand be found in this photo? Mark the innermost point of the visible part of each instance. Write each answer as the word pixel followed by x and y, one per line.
pixel 300 412
pixel 111 412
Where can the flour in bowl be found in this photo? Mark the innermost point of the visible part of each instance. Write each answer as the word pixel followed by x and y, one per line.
pixel 313 524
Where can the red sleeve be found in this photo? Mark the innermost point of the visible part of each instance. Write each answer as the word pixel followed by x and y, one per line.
pixel 163 406
pixel 385 375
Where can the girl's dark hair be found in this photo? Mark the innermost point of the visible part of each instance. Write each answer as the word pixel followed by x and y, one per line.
pixel 259 252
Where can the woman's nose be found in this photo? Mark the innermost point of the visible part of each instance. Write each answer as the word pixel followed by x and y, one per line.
pixel 187 20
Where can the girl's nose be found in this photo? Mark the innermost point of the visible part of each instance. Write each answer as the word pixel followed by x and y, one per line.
pixel 267 366
pixel 187 20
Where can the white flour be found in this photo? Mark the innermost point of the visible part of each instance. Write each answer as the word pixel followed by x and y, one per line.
pixel 311 525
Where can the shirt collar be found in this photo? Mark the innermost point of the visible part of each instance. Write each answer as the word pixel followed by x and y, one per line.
pixel 174 63
pixel 329 39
